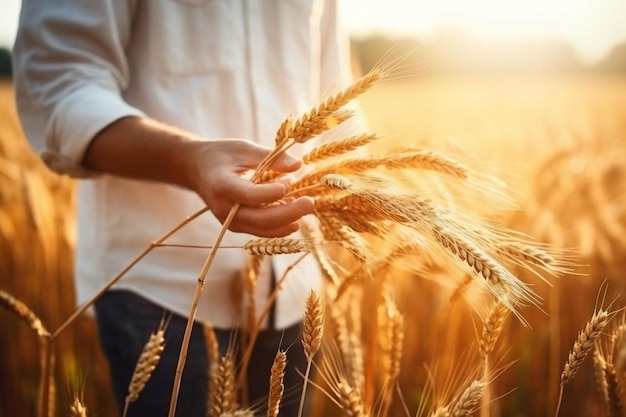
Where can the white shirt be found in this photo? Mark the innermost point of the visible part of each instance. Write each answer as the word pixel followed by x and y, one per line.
pixel 218 68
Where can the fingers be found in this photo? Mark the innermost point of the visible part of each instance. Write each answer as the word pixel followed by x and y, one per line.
pixel 271 221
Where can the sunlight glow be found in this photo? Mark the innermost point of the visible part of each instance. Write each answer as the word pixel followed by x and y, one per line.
pixel 592 27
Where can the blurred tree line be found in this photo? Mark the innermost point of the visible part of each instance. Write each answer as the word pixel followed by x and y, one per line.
pixel 456 53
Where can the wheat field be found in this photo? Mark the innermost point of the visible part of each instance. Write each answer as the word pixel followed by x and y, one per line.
pixel 431 342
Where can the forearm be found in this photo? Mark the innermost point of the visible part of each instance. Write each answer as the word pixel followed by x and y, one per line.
pixel 141 148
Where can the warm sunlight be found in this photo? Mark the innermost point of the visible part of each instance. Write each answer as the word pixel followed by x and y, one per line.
pixel 592 27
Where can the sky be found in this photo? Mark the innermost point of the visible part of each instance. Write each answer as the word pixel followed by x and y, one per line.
pixel 593 27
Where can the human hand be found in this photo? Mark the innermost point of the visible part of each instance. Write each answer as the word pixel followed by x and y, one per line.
pixel 215 173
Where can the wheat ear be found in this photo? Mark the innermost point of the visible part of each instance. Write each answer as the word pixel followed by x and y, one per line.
pixel 311 337
pixel 213 353
pixel 351 401
pixel 275 246
pixel 599 363
pixel 410 160
pixel 614 391
pixel 582 346
pixel 328 272
pixel 147 362
pixel 469 399
pixel 224 400
pixel 492 327
pixel 276 384
pixel 77 408
pixel 338 147
pixel 315 121
pixel 22 312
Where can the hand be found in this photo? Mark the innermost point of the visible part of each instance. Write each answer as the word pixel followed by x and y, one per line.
pixel 215 174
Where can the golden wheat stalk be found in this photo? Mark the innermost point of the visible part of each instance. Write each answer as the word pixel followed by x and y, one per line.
pixel 275 246
pixel 22 312
pixel 312 333
pixel 469 399
pixel 397 344
pixel 409 160
pixel 614 391
pixel 492 327
pixel 282 134
pixel 582 346
pixel 78 409
pixel 277 387
pixel 377 268
pixel 313 325
pixel 146 364
pixel 507 288
pixel 599 365
pixel 313 122
pixel 337 148
pixel 350 399
pixel 224 400
pixel 213 353
pixel 328 272
pixel 584 343
pixel 334 231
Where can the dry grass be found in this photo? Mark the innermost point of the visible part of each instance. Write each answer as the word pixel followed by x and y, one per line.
pixel 404 226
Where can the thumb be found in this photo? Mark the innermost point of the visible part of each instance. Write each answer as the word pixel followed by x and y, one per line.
pixel 286 163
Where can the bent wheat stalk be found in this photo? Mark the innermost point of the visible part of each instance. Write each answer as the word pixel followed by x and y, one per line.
pixel 147 362
pixel 582 346
pixel 311 337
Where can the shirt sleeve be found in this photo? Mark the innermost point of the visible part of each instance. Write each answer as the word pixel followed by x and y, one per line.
pixel 70 69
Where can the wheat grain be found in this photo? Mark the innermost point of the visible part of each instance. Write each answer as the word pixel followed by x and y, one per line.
pixel 313 325
pixel 327 270
pixel 337 148
pixel 492 327
pixel 583 344
pixel 22 312
pixel 78 409
pixel 599 364
pixel 614 391
pixel 315 121
pixel 282 134
pixel 147 362
pixel 507 288
pixel 213 353
pixel 412 160
pixel 224 400
pixel 276 384
pixel 336 182
pixel 275 246
pixel 469 399
pixel 350 399
pixel 335 231
pixel 397 341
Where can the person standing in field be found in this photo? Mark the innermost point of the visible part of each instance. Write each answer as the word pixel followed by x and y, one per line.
pixel 161 106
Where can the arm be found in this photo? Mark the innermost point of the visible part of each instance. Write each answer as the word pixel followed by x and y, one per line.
pixel 144 149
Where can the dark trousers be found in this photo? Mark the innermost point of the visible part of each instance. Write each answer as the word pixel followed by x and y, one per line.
pixel 125 322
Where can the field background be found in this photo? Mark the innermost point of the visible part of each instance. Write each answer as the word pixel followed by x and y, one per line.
pixel 553 139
